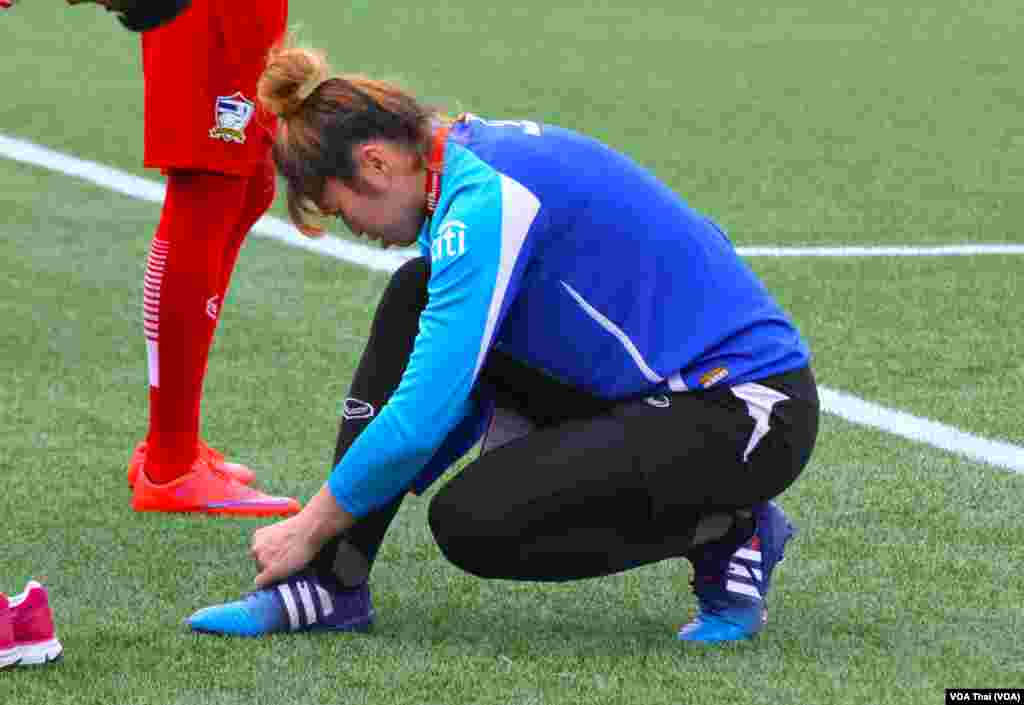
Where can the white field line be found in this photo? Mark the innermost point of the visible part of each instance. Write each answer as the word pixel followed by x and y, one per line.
pixel 897 251
pixel 851 408
pixel 933 433
pixel 146 190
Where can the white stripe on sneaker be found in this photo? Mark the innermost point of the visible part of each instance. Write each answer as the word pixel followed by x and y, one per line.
pixel 289 605
pixel 744 571
pixel 742 588
pixel 747 554
pixel 326 603
pixel 307 602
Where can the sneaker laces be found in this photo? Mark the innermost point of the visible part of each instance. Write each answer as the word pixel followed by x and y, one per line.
pixel 218 470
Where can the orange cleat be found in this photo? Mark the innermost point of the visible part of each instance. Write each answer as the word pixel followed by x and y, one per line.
pixel 208 490
pixel 215 457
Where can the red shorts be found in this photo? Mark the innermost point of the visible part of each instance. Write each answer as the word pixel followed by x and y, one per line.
pixel 200 73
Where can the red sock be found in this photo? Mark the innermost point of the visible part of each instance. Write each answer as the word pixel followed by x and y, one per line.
pixel 184 288
pixel 259 196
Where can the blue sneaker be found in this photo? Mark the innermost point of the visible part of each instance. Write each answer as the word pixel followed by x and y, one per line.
pixel 301 603
pixel 732 583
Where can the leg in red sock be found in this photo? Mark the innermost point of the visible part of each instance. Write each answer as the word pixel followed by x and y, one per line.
pixel 259 195
pixel 257 198
pixel 199 235
pixel 183 297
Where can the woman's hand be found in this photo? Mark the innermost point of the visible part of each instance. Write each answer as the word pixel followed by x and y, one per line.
pixel 282 549
pixel 288 546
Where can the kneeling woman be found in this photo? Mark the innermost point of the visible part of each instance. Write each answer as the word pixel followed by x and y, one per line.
pixel 639 393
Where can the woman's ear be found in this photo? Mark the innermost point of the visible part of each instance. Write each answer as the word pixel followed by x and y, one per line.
pixel 370 160
pixel 380 162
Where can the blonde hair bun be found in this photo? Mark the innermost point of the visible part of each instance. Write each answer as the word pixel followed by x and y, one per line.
pixel 291 75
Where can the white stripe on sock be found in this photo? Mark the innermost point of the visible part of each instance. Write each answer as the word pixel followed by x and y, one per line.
pixel 151 287
pixel 153 358
pixel 289 605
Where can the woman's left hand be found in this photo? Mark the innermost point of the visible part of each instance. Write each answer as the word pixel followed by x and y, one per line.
pixel 288 546
pixel 282 549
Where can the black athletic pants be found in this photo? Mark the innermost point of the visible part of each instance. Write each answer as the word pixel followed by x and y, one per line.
pixel 594 487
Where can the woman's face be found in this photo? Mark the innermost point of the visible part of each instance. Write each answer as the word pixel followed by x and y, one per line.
pixel 387 201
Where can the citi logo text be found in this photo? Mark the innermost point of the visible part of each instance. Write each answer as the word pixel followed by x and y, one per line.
pixel 450 241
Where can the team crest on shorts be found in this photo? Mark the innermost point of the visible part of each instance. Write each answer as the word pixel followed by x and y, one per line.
pixel 232 114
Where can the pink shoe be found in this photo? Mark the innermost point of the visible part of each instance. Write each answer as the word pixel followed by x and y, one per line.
pixel 34 636
pixel 9 656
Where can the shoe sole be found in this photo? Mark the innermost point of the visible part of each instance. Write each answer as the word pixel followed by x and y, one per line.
pixel 360 626
pixel 9 658
pixel 217 511
pixel 718 642
pixel 40 654
pixel 267 506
